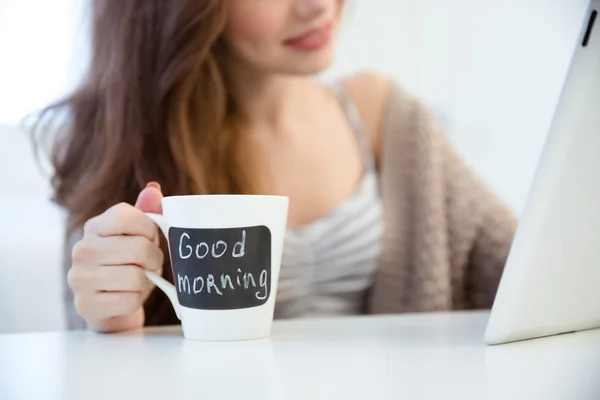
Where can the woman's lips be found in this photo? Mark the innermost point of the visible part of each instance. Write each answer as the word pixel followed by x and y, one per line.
pixel 311 40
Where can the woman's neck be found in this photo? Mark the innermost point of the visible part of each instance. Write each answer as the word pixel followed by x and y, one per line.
pixel 267 99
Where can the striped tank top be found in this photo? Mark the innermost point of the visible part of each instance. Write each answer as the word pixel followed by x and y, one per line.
pixel 328 265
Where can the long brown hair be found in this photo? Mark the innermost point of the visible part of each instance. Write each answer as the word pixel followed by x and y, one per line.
pixel 153 106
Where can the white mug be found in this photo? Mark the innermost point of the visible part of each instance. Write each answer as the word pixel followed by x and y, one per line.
pixel 225 254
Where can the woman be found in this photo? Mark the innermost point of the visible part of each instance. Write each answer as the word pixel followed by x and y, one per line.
pixel 213 96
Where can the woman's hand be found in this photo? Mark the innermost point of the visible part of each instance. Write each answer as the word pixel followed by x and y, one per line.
pixel 107 275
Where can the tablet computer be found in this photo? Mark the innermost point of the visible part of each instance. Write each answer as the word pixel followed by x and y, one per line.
pixel 551 281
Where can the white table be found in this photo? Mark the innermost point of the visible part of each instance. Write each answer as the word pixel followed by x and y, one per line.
pixel 420 356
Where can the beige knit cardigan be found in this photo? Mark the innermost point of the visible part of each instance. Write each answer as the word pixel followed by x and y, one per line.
pixel 446 235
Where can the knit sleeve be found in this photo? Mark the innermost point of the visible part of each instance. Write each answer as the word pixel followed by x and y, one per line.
pixel 447 235
pixel 481 226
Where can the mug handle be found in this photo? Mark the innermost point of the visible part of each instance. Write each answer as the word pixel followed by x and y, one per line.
pixel 159 281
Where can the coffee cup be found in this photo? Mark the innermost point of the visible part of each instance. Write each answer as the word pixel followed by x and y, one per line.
pixel 225 253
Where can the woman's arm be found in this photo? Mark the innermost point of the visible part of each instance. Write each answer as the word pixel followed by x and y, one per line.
pixel 475 210
pixel 479 226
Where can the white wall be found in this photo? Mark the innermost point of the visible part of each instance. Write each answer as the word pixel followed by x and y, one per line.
pixel 498 73
pixel 41 45
pixel 31 241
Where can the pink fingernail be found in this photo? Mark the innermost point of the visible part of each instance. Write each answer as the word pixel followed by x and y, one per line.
pixel 154 185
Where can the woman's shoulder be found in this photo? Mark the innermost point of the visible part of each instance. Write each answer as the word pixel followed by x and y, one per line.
pixel 369 91
pixel 381 102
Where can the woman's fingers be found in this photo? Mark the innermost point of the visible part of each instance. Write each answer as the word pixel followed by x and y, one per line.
pixel 107 275
pixel 122 219
pixel 99 306
pixel 118 250
pixel 125 278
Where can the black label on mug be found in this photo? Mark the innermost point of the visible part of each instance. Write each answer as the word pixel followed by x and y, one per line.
pixel 221 269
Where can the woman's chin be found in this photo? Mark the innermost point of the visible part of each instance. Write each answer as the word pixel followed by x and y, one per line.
pixel 311 64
